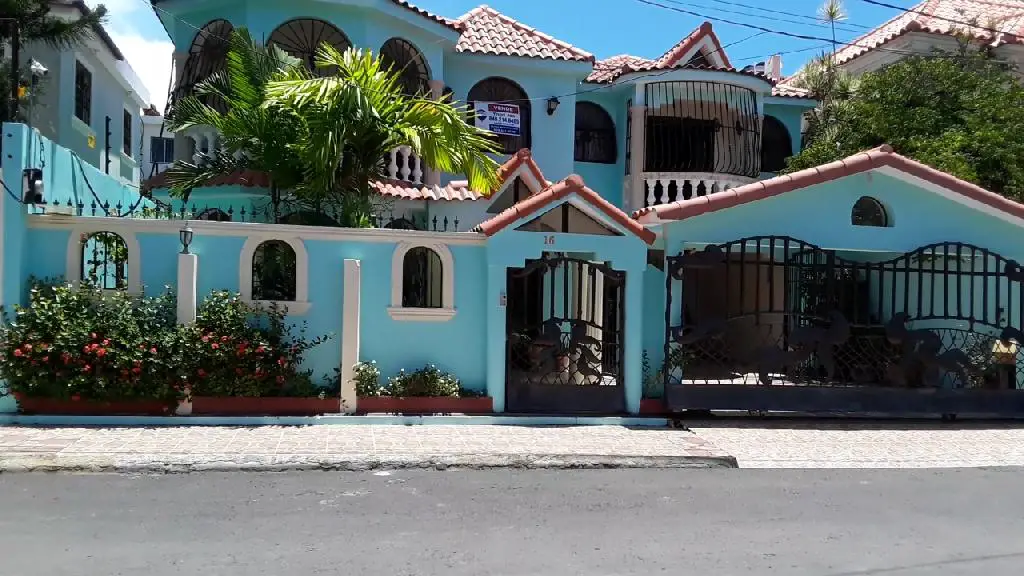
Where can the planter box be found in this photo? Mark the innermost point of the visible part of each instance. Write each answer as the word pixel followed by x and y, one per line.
pixel 60 406
pixel 264 406
pixel 652 407
pixel 425 405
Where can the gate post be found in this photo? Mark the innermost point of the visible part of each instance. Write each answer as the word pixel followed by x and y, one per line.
pixel 351 281
pixel 634 333
pixel 496 344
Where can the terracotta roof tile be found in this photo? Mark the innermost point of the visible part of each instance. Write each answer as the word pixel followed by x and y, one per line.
pixel 640 65
pixel 608 69
pixel 487 31
pixel 880 157
pixel 520 158
pixel 677 52
pixel 456 190
pixel 573 184
pixel 245 178
pixel 786 91
pixel 454 25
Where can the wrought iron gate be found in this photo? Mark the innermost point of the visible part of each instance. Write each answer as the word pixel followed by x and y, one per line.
pixel 775 324
pixel 564 322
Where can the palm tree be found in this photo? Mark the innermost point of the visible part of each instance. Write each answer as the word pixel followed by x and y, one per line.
pixel 359 114
pixel 322 140
pixel 251 135
pixel 36 24
pixel 832 11
pixel 832 87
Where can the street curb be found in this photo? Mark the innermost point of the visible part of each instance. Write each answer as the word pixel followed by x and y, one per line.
pixel 183 464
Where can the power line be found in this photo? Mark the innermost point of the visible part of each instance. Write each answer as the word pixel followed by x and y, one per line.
pixel 814 22
pixel 785 13
pixel 785 33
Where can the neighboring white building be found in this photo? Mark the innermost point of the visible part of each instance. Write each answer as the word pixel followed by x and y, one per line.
pixel 933 25
pixel 90 99
pixel 157 143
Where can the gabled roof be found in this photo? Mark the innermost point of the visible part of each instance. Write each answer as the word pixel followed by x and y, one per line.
pixel 679 52
pixel 881 157
pixel 456 190
pixel 573 184
pixel 944 17
pixel 429 15
pixel 487 31
pixel 678 56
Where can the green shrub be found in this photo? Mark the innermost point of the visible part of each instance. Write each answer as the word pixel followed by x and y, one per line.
pixel 367 377
pixel 89 344
pixel 86 343
pixel 427 381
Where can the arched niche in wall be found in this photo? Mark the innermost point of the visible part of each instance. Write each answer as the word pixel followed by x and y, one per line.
pixel 302 38
pixel 94 254
pixel 503 90
pixel 406 60
pixel 206 56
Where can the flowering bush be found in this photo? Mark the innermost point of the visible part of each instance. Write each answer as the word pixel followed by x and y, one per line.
pixel 367 377
pixel 87 344
pixel 234 349
pixel 427 381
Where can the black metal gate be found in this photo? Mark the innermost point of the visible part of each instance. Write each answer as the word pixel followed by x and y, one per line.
pixel 775 324
pixel 564 321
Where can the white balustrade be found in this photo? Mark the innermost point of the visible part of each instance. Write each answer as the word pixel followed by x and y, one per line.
pixel 687 185
pixel 404 165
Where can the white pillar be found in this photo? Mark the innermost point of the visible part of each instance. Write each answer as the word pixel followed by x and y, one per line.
pixel 188 267
pixel 350 334
pixel 432 177
pixel 637 116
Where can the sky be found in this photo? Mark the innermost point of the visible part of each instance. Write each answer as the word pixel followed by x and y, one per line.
pixel 603 27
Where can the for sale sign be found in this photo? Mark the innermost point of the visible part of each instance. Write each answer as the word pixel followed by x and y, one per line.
pixel 498 118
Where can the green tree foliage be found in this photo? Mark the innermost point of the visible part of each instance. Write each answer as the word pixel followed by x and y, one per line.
pixel 321 137
pixel 37 24
pixel 962 113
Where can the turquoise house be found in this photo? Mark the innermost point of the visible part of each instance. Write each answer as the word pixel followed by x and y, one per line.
pixel 639 254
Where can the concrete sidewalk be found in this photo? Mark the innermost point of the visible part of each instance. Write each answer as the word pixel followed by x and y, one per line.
pixel 825 443
pixel 192 448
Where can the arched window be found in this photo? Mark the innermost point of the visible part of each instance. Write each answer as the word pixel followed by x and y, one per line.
pixel 595 134
pixel 274 272
pixel 302 38
pixel 776 145
pixel 104 261
pixel 408 62
pixel 422 279
pixel 868 211
pixel 206 57
pixel 505 91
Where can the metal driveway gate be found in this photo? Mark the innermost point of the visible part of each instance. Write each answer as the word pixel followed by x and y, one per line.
pixel 775 324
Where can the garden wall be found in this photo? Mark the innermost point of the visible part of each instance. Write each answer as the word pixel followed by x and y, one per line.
pixel 445 326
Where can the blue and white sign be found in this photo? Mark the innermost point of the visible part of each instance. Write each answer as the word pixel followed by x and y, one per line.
pixel 498 118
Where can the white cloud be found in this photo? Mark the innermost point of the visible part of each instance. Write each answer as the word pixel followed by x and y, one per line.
pixel 152 62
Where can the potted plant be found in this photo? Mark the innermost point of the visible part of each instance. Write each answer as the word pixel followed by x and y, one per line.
pixel 424 391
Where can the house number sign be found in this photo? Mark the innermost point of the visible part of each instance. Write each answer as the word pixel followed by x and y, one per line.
pixel 549 240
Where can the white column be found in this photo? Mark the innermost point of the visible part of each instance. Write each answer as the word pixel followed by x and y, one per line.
pixel 350 335
pixel 637 137
pixel 432 177
pixel 188 267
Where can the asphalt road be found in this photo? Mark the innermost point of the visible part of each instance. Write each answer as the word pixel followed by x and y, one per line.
pixel 530 523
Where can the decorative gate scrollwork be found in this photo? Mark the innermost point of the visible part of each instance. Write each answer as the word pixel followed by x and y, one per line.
pixel 775 312
pixel 564 336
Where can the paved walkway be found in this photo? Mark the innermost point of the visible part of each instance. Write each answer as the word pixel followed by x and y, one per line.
pixel 859 444
pixel 179 449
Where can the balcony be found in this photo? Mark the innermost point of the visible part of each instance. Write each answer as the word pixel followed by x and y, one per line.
pixel 401 164
pixel 695 138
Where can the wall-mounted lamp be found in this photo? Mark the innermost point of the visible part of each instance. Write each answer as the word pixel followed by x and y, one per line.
pixel 552 105
pixel 185 235
pixel 32 186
